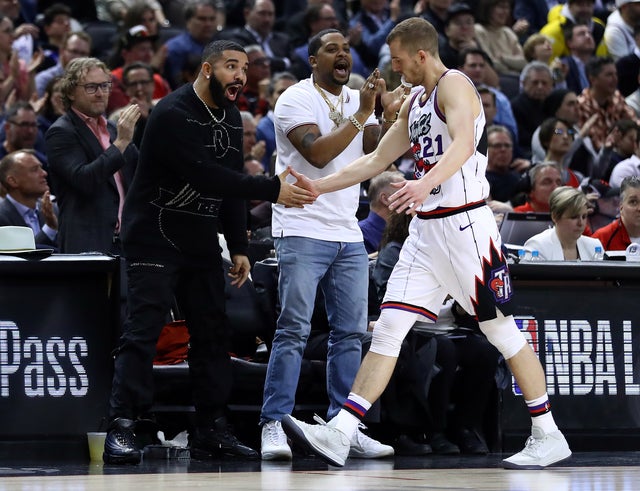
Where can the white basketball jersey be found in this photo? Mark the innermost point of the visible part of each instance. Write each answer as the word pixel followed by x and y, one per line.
pixel 430 138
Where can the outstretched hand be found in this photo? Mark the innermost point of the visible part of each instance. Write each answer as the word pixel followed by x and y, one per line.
pixel 410 195
pixel 295 196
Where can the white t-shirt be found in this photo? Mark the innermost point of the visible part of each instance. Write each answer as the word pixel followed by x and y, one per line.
pixel 333 216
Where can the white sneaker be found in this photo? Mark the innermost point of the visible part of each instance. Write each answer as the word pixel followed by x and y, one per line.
pixel 274 444
pixel 542 449
pixel 365 447
pixel 328 443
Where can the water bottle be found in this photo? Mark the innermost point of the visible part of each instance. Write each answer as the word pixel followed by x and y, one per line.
pixel 522 255
pixel 598 255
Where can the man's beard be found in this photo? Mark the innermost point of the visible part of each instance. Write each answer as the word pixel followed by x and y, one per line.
pixel 217 92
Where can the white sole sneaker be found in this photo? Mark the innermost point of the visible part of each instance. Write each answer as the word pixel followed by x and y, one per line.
pixel 328 443
pixel 540 451
pixel 273 444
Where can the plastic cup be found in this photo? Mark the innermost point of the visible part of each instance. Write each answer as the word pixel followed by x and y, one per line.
pixel 95 439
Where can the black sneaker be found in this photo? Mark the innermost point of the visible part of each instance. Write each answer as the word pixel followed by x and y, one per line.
pixel 218 441
pixel 120 443
pixel 470 442
pixel 404 445
pixel 440 445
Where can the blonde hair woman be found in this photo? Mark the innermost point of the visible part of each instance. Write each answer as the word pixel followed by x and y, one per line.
pixel 565 242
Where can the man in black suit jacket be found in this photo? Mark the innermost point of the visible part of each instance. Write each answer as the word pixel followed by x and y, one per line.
pixel 91 160
pixel 25 180
pixel 260 17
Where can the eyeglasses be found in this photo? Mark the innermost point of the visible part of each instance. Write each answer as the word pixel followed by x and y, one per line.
pixel 559 131
pixel 24 124
pixel 92 88
pixel 135 83
pixel 501 146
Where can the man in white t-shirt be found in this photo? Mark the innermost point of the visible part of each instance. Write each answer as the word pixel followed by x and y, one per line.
pixel 321 125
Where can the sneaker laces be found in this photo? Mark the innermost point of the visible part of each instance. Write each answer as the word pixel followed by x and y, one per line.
pixel 275 434
pixel 532 446
pixel 362 439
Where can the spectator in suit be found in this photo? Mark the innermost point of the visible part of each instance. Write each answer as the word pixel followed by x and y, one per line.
pixel 25 181
pixel 201 28
pixel 375 19
pixel 628 67
pixel 537 84
pixel 265 130
pixel 91 160
pixel 259 18
pixel 577 12
pixel 618 34
pixel 621 232
pixel 76 44
pixel 581 48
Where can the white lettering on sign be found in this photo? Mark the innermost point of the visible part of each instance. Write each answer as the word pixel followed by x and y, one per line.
pixel 581 357
pixel 51 367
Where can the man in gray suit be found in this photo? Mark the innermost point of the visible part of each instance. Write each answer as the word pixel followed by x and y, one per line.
pixel 25 181
pixel 91 160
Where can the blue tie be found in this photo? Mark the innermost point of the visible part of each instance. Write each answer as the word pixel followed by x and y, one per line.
pixel 33 222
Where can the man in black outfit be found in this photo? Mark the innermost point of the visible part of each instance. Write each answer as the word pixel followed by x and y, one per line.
pixel 189 179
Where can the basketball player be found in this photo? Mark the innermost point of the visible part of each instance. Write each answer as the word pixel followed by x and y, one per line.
pixel 453 246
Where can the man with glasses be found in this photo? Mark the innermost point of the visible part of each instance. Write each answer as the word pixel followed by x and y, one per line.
pixel 20 132
pixel 503 179
pixel 91 161
pixel 76 44
pixel 137 79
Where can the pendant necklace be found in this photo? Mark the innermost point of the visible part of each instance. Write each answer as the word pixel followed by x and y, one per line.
pixel 335 116
pixel 224 113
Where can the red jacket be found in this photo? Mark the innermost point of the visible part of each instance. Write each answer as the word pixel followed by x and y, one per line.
pixel 614 237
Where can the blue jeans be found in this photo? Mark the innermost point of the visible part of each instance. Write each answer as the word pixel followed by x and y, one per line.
pixel 340 268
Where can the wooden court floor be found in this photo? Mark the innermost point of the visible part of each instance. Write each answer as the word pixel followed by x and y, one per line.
pixel 582 472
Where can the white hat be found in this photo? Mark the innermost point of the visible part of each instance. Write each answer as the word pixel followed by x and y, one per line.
pixel 19 241
pixel 620 3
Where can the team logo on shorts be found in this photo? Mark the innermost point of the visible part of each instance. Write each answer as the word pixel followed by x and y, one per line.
pixel 500 284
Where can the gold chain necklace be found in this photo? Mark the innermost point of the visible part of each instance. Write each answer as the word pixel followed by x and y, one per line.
pixel 224 112
pixel 335 116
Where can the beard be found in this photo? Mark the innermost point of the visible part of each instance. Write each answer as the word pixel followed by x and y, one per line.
pixel 217 92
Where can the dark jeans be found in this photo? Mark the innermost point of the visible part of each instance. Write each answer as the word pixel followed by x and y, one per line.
pixel 199 291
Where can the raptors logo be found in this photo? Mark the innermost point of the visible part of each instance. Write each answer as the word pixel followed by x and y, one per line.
pixel 500 284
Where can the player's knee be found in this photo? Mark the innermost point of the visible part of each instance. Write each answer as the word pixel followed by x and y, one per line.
pixel 504 334
pixel 389 331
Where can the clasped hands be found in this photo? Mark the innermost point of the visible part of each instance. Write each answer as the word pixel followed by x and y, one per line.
pixel 407 198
